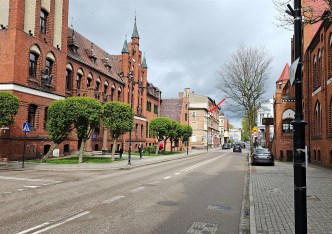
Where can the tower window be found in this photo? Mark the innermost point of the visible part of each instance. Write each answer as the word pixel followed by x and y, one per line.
pixel 43 21
pixel 32 114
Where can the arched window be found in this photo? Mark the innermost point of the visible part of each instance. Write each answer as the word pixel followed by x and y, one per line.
pixel 33 59
pixel 89 80
pixel 119 94
pixel 320 73
pixel 79 76
pixel 98 81
pixel 105 88
pixel 315 74
pixel 69 71
pixel 330 56
pixel 112 92
pixel 32 110
pixel 287 118
pixel 318 119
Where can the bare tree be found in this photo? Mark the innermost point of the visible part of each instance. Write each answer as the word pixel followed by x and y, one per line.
pixel 243 80
pixel 312 12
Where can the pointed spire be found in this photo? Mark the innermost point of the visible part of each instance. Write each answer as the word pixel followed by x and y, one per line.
pixel 144 65
pixel 125 46
pixel 135 31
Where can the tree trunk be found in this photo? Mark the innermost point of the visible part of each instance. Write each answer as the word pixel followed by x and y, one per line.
pixel 171 146
pixel 45 157
pixel 80 158
pixel 157 148
pixel 113 149
pixel 165 145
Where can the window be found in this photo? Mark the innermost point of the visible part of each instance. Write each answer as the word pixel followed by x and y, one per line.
pixel 33 65
pixel 155 109
pixel 97 85
pixel 48 66
pixel 286 126
pixel 148 106
pixel 68 79
pixel 88 84
pixel 119 95
pixel 78 81
pixel 318 119
pixel 43 21
pixel 45 117
pixel 185 116
pixel 32 114
pixel 330 118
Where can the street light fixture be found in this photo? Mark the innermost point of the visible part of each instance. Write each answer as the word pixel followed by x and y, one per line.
pixel 140 86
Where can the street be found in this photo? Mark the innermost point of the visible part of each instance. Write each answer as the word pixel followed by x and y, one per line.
pixel 198 194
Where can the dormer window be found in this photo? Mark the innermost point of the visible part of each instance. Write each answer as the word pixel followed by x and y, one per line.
pixel 43 21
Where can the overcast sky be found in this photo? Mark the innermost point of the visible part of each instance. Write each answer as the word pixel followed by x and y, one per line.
pixel 185 41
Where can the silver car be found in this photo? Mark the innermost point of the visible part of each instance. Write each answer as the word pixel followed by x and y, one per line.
pixel 262 156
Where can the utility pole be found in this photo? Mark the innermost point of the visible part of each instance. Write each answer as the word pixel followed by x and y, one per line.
pixel 300 187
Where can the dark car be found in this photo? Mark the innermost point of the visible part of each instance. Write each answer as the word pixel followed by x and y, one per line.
pixel 237 148
pixel 262 156
pixel 226 146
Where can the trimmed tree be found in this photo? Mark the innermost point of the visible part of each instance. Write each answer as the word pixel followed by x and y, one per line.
pixel 58 125
pixel 161 128
pixel 9 105
pixel 85 113
pixel 175 132
pixel 187 132
pixel 118 117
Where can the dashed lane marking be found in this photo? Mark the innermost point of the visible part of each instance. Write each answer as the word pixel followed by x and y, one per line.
pixel 113 199
pixel 167 177
pixel 137 189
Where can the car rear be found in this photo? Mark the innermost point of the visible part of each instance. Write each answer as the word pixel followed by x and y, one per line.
pixel 262 156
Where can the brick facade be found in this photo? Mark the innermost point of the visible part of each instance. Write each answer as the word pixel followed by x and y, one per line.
pixel 102 76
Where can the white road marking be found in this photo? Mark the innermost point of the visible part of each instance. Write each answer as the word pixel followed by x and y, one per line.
pixel 137 189
pixel 198 165
pixel 31 186
pixel 33 228
pixel 178 173
pixel 63 222
pixel 167 177
pixel 26 179
pixel 113 199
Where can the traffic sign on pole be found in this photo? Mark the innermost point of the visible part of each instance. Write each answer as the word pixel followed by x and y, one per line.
pixel 26 127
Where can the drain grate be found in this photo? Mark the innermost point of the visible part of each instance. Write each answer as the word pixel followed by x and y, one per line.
pixel 219 207
pixel 203 228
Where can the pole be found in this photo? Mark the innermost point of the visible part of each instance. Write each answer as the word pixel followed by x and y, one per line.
pixel 300 189
pixel 207 131
pixel 131 109
pixel 188 127
pixel 25 136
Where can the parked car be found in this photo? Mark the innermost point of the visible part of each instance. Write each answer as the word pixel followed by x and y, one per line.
pixel 262 156
pixel 237 148
pixel 226 146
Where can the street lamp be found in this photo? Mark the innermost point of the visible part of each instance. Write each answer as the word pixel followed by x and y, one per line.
pixel 140 86
pixel 300 187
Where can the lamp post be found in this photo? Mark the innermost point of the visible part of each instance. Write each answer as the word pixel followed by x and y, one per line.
pixel 188 127
pixel 300 189
pixel 131 79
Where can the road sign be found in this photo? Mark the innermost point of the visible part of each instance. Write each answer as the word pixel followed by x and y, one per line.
pixel 26 127
pixel 292 71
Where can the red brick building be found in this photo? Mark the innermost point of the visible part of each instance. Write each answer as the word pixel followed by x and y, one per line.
pixel 42 60
pixel 284 111
pixel 317 94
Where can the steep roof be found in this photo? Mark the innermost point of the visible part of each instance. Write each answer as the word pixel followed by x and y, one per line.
pixel 285 73
pixel 135 31
pixel 88 51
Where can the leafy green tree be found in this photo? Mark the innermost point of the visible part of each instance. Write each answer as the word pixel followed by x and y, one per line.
pixel 118 117
pixel 85 113
pixel 245 127
pixel 58 125
pixel 175 132
pixel 9 105
pixel 187 132
pixel 161 128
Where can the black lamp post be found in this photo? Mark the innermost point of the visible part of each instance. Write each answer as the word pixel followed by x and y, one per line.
pixel 300 189
pixel 140 85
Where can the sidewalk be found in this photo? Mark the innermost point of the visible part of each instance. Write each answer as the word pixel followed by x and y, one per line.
pixel 135 162
pixel 271 192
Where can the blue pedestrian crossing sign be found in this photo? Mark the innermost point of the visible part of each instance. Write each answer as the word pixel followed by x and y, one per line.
pixel 26 127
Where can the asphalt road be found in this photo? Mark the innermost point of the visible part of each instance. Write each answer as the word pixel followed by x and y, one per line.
pixel 201 194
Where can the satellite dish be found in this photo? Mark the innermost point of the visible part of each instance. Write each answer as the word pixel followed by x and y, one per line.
pixel 292 70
